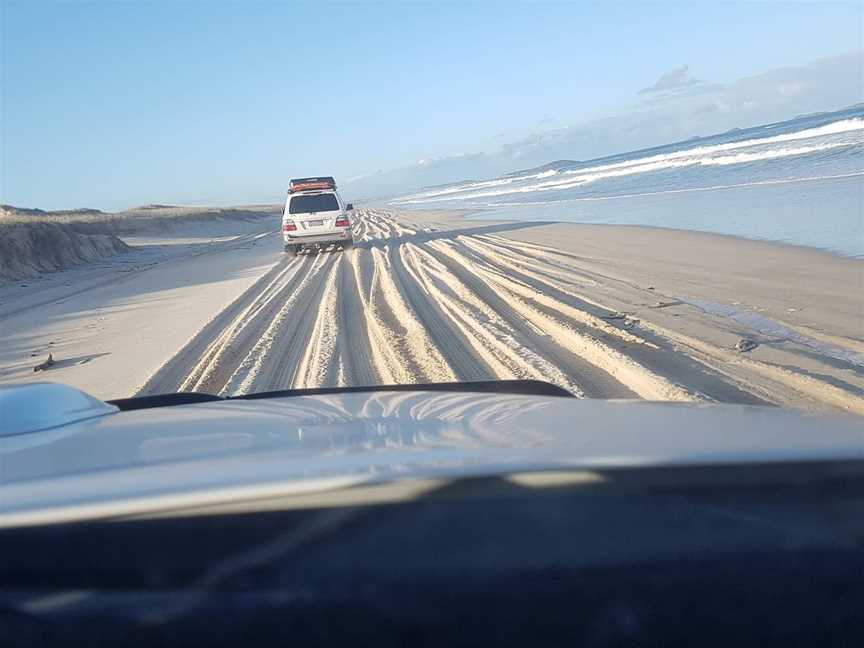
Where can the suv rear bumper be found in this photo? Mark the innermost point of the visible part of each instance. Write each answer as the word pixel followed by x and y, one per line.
pixel 309 239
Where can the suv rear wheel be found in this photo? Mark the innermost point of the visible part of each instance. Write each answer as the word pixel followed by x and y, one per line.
pixel 293 250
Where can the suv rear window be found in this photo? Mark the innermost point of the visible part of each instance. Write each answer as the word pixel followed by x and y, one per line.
pixel 313 203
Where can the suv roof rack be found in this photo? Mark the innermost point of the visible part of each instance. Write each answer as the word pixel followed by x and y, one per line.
pixel 311 184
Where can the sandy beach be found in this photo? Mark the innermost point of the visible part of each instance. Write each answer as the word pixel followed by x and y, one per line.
pixel 428 296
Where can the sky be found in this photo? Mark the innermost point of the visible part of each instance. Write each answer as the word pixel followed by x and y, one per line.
pixel 116 104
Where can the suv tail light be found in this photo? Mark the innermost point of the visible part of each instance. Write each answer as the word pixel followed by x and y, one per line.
pixel 289 226
pixel 343 222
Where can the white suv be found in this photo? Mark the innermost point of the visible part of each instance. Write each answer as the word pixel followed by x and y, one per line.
pixel 315 216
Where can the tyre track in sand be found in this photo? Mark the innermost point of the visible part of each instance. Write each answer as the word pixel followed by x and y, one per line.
pixel 593 383
pixel 204 348
pixel 444 335
pixel 274 360
pixel 641 346
pixel 353 344
pixel 406 306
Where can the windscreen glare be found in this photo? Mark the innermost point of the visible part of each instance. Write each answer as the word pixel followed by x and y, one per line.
pixel 313 203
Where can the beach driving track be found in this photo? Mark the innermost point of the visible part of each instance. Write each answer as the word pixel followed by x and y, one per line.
pixel 413 304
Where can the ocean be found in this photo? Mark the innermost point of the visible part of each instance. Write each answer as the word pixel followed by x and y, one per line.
pixel 799 181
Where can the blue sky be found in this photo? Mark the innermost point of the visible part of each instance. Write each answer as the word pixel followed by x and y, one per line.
pixel 110 105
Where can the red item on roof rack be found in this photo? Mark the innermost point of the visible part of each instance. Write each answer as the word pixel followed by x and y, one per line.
pixel 311 184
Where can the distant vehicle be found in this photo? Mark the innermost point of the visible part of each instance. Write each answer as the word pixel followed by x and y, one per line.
pixel 315 216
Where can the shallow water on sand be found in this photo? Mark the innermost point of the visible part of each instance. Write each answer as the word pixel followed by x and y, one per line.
pixel 825 213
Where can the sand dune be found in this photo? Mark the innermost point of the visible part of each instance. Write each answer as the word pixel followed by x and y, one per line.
pixel 27 249
pixel 33 241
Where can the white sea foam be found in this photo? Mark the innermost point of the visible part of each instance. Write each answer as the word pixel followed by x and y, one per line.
pixel 705 156
pixel 756 183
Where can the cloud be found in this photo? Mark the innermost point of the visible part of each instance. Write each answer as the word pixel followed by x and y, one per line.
pixel 676 79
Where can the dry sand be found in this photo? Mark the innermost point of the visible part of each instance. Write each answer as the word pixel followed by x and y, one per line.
pixel 111 324
pixel 605 311
pixel 704 292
